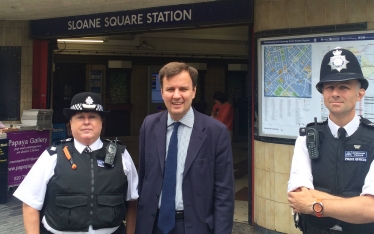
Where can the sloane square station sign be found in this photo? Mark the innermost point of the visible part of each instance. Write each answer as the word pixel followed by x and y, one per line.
pixel 179 16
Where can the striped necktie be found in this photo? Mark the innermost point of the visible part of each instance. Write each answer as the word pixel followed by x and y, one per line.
pixel 87 149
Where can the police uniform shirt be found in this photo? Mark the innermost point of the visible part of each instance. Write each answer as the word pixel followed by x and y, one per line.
pixel 301 171
pixel 33 188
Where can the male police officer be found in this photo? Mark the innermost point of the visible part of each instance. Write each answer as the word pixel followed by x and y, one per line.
pixel 334 193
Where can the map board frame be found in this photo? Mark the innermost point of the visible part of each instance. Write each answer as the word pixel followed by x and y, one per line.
pixel 288 71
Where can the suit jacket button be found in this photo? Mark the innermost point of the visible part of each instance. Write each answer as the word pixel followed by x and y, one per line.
pixel 157 195
pixel 153 215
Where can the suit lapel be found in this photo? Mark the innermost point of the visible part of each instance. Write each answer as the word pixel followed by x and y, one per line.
pixel 196 141
pixel 160 137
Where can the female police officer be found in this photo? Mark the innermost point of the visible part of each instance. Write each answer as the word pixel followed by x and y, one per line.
pixel 73 187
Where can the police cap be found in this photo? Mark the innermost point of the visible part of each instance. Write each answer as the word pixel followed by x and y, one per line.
pixel 340 65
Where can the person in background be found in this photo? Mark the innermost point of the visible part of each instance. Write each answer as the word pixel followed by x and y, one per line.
pixel 331 185
pixel 223 110
pixel 80 186
pixel 186 179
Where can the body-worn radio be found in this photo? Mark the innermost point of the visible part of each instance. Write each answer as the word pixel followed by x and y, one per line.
pixel 312 141
pixel 110 154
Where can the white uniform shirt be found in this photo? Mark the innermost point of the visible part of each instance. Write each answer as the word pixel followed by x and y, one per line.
pixel 301 170
pixel 34 186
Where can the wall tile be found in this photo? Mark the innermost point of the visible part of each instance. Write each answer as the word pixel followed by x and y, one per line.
pixel 26 55
pixel 279 14
pixel 269 157
pixel 280 184
pixel 314 13
pixel 295 13
pixel 256 208
pixel 266 16
pixel 260 10
pixel 28 93
pixel 25 38
pixel 23 75
pixel 23 91
pixel 335 12
pixel 269 185
pixel 28 105
pixel 281 158
pixel 260 156
pixel 9 23
pixel 270 213
pixel 257 182
pixel 18 36
pixel 261 183
pixel 261 217
pixel 356 11
pixel 22 107
pixel 2 36
pixel 369 10
pixel 28 74
pixel 282 217
pixel 370 25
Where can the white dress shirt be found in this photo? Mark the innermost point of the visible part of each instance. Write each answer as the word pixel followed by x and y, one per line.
pixel 184 135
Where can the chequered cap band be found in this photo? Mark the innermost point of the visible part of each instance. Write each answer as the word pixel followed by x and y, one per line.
pixel 79 106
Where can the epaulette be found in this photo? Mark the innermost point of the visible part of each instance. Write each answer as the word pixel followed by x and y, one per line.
pixel 319 123
pixel 108 140
pixel 366 122
pixel 62 141
pixel 52 149
pixel 302 131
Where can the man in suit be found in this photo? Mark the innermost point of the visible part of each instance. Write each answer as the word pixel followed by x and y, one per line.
pixel 204 180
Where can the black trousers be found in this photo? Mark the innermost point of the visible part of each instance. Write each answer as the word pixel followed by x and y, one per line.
pixel 310 229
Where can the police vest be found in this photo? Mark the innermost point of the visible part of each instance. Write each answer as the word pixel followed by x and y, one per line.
pixel 92 194
pixel 341 169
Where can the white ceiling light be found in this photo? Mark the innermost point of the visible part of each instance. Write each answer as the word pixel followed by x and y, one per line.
pixel 83 40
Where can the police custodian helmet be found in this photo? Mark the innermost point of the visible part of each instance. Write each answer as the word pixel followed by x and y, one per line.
pixel 340 65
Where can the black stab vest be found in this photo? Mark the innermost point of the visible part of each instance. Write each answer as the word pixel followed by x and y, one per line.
pixel 89 195
pixel 339 173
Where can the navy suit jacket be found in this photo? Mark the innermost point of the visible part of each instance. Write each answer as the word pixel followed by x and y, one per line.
pixel 208 181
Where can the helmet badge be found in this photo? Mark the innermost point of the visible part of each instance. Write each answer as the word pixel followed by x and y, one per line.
pixel 338 61
pixel 89 103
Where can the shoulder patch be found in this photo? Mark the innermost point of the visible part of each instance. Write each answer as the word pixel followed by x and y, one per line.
pixel 52 150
